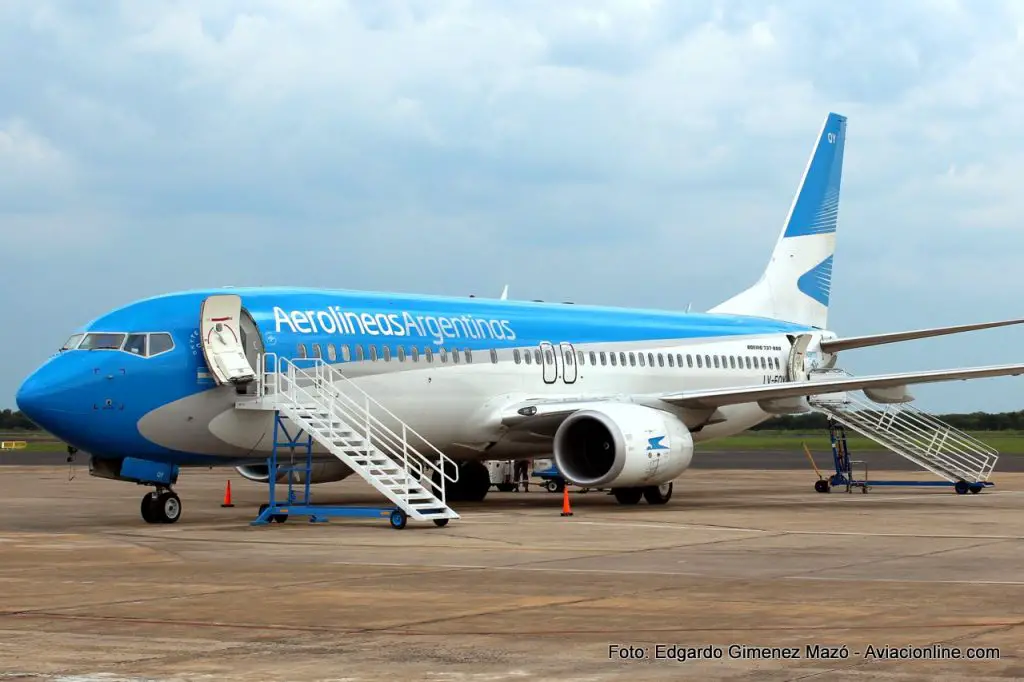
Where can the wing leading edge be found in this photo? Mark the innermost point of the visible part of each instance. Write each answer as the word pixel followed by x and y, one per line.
pixel 748 394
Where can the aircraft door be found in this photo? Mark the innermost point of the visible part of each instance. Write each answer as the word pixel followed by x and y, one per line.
pixel 569 368
pixel 795 367
pixel 220 329
pixel 549 362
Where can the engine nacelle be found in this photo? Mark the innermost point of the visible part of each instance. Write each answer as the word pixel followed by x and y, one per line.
pixel 622 445
pixel 321 472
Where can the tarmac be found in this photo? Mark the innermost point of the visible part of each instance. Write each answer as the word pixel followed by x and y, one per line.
pixel 741 571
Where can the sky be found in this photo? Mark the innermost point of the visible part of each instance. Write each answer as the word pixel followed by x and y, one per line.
pixel 631 152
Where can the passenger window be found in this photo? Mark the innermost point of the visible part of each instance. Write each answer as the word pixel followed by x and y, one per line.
pixel 569 359
pixel 136 344
pixel 777 364
pixel 428 353
pixel 401 353
pixel 661 360
pixel 732 362
pixel 373 353
pixel 415 354
pixel 455 355
pixel 548 357
pixel 316 350
pixel 387 353
pixel 650 359
pixel 494 356
pixel 604 359
pixel 671 360
pixel 527 357
pixel 102 341
pixel 613 359
pixel 359 353
pixel 332 353
pixel 622 358
pixel 581 358
pixel 516 356
pixel 689 360
pixel 632 360
pixel 537 357
pixel 302 350
pixel 641 358
pixel 593 358
pixel 699 365
pixel 160 343
pixel 716 361
pixel 469 355
pixel 443 352
pixel 346 355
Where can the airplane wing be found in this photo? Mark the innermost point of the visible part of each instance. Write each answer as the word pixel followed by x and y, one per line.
pixel 836 345
pixel 548 413
pixel 748 394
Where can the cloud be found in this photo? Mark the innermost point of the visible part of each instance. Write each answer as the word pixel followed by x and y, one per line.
pixel 553 146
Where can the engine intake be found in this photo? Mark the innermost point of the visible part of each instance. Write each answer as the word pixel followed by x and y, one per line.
pixel 622 445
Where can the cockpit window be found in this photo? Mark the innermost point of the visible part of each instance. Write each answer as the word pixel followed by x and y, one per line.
pixel 102 341
pixel 72 342
pixel 136 344
pixel 160 343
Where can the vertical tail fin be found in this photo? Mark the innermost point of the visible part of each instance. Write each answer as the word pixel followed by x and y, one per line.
pixel 795 286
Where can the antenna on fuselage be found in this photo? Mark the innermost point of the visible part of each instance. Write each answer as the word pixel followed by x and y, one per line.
pixel 688 306
pixel 504 293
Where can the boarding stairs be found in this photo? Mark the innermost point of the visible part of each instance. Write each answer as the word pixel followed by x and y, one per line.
pixel 397 461
pixel 911 433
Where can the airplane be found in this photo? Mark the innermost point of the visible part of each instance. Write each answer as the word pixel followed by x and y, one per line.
pixel 618 397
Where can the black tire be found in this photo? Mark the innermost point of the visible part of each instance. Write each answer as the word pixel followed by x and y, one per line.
pixel 475 481
pixel 975 489
pixel 552 486
pixel 822 486
pixel 505 487
pixel 658 494
pixel 398 519
pixel 148 512
pixel 628 495
pixel 166 508
pixel 960 488
pixel 440 523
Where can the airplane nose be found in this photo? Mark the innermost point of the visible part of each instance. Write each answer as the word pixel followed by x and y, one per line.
pixel 43 395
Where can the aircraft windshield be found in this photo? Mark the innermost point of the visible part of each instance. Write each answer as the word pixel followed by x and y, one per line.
pixel 102 341
pixel 72 342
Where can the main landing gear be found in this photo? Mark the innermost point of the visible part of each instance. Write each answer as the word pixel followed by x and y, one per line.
pixel 655 494
pixel 161 506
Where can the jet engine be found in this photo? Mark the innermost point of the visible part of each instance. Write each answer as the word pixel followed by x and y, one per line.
pixel 622 445
pixel 321 472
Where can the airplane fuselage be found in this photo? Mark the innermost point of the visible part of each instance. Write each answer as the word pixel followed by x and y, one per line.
pixel 442 364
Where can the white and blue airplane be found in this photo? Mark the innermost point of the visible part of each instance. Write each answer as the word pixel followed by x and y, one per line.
pixel 617 397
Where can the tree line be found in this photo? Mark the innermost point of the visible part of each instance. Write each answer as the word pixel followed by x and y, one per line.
pixel 972 421
pixel 11 420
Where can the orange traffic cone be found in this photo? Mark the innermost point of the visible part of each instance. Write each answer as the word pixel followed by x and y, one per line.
pixel 227 495
pixel 566 510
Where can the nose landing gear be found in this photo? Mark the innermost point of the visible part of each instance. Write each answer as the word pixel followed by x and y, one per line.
pixel 161 506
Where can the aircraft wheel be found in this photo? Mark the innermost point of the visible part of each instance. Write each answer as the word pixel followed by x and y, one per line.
pixel 147 508
pixel 475 481
pixel 628 495
pixel 166 508
pixel 658 494
pixel 398 519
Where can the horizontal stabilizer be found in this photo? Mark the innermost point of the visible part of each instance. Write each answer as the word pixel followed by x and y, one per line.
pixel 837 345
pixel 713 398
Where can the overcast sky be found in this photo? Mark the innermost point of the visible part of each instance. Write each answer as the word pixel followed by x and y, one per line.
pixel 633 153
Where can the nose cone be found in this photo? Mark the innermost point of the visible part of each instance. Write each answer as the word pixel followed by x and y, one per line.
pixel 44 395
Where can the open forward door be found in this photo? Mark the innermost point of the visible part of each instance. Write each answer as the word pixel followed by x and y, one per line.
pixel 220 327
